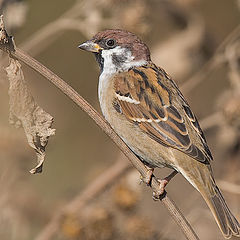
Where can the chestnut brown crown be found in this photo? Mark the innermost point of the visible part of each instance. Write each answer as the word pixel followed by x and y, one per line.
pixel 116 37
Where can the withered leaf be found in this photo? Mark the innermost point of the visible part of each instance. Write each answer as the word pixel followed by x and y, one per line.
pixel 25 112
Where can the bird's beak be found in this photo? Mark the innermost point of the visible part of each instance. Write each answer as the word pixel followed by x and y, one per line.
pixel 90 46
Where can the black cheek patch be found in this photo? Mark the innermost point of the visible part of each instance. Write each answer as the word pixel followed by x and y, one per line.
pixel 118 59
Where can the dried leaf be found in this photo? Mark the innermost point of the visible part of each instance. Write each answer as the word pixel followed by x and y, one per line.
pixel 25 112
pixel 6 42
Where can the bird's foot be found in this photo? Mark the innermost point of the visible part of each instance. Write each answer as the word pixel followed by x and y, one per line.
pixel 161 190
pixel 160 193
pixel 148 178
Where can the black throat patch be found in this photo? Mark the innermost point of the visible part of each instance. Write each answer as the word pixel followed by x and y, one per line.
pixel 100 60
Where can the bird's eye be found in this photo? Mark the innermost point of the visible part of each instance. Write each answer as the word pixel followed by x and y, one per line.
pixel 110 43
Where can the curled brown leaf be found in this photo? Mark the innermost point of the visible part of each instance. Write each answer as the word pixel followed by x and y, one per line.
pixel 25 112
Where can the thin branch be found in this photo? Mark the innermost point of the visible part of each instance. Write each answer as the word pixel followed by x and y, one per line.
pixel 101 122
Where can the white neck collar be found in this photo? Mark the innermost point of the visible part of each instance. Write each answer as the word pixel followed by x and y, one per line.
pixel 119 60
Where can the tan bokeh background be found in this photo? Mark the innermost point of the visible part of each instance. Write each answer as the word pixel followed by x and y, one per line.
pixel 183 36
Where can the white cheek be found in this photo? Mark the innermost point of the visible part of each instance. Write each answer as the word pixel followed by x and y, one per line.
pixel 110 68
pixel 107 55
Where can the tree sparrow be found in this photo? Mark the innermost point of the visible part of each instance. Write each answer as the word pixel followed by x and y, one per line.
pixel 147 110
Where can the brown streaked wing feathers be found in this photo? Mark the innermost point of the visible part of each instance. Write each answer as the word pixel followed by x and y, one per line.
pixel 155 113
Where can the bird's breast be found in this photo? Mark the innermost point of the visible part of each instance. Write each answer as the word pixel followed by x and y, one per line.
pixel 147 149
pixel 106 93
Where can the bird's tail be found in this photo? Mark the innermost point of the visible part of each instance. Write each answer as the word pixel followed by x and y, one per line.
pixel 227 223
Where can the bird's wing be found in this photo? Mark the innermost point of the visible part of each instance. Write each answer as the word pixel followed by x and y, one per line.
pixel 149 98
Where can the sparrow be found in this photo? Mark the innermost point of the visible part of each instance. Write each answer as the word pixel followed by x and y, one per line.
pixel 148 111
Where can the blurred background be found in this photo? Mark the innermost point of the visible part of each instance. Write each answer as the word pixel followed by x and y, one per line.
pixel 196 41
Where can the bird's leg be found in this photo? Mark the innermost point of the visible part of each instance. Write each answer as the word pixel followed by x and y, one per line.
pixel 162 184
pixel 148 178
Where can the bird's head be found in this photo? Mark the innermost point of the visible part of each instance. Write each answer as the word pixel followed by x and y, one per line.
pixel 117 50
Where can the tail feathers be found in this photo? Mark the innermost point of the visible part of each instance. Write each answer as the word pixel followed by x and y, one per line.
pixel 227 223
